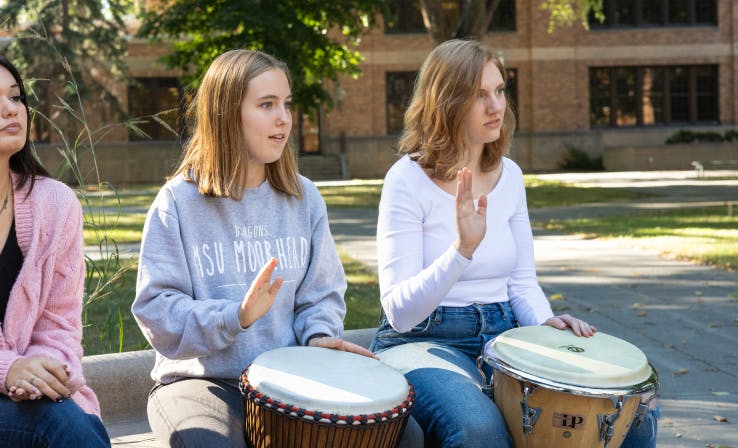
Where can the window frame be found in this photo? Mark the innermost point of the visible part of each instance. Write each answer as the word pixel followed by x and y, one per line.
pixel 667 95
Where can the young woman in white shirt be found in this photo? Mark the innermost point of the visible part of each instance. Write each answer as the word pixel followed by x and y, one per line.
pixel 455 247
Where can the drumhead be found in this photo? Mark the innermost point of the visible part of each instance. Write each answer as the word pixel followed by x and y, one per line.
pixel 600 361
pixel 327 380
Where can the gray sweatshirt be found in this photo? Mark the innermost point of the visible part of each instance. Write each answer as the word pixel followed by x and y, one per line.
pixel 199 255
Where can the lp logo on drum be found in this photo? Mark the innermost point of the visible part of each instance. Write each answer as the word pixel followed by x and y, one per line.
pixel 572 348
pixel 567 421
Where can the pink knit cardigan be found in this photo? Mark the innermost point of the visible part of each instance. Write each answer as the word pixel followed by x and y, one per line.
pixel 44 313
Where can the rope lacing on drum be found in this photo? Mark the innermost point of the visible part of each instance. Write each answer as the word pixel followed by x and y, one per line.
pixel 250 393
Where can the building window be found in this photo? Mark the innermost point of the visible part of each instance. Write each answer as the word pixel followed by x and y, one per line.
pixel 158 103
pixel 655 13
pixel 399 90
pixel 644 96
pixel 407 18
pixel 308 132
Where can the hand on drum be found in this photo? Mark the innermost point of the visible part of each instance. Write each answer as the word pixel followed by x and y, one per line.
pixel 340 344
pixel 260 295
pixel 578 326
pixel 471 222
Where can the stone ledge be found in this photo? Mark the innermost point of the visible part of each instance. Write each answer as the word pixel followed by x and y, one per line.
pixel 122 383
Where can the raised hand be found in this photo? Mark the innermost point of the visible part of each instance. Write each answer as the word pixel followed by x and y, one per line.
pixel 260 296
pixel 37 376
pixel 471 222
pixel 578 326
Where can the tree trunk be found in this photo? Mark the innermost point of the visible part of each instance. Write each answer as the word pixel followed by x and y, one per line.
pixel 472 20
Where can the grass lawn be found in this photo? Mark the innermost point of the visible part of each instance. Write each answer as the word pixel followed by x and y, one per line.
pixel 706 236
pixel 123 212
pixel 109 325
pixel 702 235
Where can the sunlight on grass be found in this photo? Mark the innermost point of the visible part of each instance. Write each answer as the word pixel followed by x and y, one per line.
pixel 705 235
pixel 362 295
pixel 545 193
pixel 359 195
pixel 126 228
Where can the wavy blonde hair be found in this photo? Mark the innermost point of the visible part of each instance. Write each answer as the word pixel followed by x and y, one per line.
pixel 215 157
pixel 446 88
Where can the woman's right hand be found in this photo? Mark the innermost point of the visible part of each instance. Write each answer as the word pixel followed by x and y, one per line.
pixel 260 295
pixel 33 377
pixel 471 221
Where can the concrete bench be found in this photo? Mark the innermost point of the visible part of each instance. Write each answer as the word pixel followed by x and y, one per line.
pixel 122 383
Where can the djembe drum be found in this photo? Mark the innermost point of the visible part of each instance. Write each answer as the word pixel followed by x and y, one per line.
pixel 311 397
pixel 555 389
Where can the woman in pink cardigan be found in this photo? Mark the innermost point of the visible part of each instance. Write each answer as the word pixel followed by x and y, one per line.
pixel 43 397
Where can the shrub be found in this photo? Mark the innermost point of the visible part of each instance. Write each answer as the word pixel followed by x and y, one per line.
pixel 575 159
pixel 686 136
pixel 731 135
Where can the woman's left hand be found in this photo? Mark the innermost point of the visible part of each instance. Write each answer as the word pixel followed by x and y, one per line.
pixel 578 326
pixel 340 344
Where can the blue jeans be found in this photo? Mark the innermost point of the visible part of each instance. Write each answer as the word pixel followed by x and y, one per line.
pixel 643 435
pixel 45 423
pixel 438 357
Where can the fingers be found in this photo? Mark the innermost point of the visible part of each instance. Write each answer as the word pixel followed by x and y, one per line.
pixel 482 206
pixel 260 296
pixel 50 386
pixel 265 275
pixel 359 350
pixel 35 377
pixel 276 285
pixel 463 186
pixel 340 344
pixel 578 326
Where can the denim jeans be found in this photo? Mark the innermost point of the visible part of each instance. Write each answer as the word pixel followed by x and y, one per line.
pixel 45 423
pixel 438 357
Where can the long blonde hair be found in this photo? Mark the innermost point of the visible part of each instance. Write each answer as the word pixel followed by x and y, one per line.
pixel 215 157
pixel 446 87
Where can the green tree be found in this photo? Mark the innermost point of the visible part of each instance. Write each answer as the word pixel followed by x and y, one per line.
pixel 448 19
pixel 56 40
pixel 313 37
pixel 566 12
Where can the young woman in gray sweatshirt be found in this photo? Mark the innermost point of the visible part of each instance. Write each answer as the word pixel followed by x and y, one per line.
pixel 236 255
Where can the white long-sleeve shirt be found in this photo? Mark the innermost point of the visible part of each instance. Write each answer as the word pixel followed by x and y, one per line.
pixel 419 267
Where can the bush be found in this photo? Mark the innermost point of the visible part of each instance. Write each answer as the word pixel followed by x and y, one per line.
pixel 731 135
pixel 686 136
pixel 577 160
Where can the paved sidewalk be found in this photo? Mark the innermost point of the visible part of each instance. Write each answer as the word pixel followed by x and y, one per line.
pixel 683 316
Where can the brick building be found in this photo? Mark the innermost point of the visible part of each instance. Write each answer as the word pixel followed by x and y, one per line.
pixel 619 89
pixel 615 91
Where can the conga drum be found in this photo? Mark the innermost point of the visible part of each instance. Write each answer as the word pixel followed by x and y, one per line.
pixel 312 397
pixel 555 389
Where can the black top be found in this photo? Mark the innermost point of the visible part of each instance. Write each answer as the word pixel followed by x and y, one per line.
pixel 11 260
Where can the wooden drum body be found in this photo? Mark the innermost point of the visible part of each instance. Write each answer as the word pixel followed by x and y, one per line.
pixel 559 390
pixel 311 397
